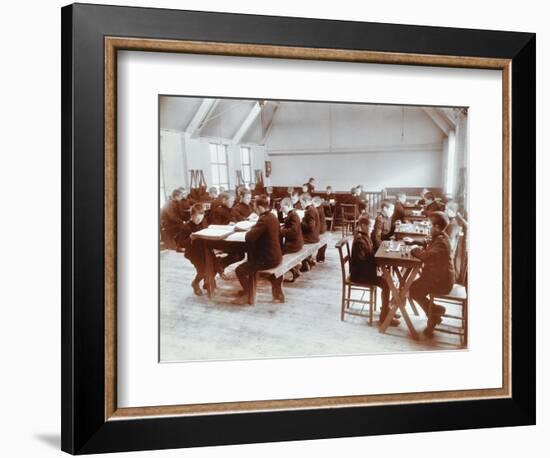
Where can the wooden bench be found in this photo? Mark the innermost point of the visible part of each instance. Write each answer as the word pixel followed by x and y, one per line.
pixel 289 261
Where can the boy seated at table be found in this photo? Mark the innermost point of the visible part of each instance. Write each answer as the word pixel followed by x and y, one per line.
pixel 214 197
pixel 292 239
pixel 194 248
pixel 317 203
pixel 430 204
pixel 422 200
pixel 223 213
pixel 264 251
pixel 399 212
pixel 310 227
pixel 243 209
pixel 382 224
pixel 172 217
pixel 309 187
pixel 363 266
pixel 438 273
pixel 296 201
pixel 355 199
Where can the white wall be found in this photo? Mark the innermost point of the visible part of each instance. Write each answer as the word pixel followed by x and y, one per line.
pixel 344 145
pixel 172 163
pixel 374 170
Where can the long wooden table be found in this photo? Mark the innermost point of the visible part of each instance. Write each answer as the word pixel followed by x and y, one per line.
pixel 406 268
pixel 233 241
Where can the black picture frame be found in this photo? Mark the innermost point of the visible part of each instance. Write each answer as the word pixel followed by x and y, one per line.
pixel 84 428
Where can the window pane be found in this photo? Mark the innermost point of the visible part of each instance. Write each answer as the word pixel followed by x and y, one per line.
pixel 245 157
pixel 246 174
pixel 249 155
pixel 223 174
pixel 215 175
pixel 213 152
pixel 222 159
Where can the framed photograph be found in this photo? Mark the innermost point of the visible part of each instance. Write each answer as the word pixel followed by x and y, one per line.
pixel 283 228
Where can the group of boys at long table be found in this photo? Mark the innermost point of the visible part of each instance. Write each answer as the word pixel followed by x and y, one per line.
pixel 300 219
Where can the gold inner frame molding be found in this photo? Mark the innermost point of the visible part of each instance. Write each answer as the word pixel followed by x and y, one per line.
pixel 114 44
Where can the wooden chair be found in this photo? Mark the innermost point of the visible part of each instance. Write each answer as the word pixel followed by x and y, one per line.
pixel 348 286
pixel 330 222
pixel 458 297
pixel 350 216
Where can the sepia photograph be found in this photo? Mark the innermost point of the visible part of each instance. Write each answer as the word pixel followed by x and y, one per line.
pixel 310 228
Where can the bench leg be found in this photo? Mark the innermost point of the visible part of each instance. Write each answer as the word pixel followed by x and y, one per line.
pixel 252 289
pixel 277 288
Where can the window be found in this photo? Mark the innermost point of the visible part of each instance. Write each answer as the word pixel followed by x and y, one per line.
pixel 246 165
pixel 218 165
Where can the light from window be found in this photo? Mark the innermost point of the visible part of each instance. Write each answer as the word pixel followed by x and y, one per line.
pixel 218 165
pixel 451 147
pixel 246 165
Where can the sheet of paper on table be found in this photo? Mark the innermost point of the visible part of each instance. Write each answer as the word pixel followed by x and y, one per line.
pixel 244 225
pixel 215 232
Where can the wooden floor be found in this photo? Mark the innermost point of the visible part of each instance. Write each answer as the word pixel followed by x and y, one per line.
pixel 308 324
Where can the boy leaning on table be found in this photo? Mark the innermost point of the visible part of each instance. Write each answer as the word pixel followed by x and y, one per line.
pixel 438 273
pixel 194 248
pixel 264 249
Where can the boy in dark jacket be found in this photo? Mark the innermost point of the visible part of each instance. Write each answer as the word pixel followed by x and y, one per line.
pixel 172 218
pixel 318 204
pixel 431 205
pixel 438 274
pixel 310 224
pixel 291 230
pixel 399 212
pixel 363 266
pixel 382 225
pixel 310 228
pixel 223 213
pixel 264 250
pixel 291 233
pixel 194 248
pixel 243 209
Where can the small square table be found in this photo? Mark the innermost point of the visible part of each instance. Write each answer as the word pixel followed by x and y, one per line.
pixel 406 267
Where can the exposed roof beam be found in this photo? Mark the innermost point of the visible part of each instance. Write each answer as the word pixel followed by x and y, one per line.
pixel 245 125
pixel 270 124
pixel 439 119
pixel 449 115
pixel 201 116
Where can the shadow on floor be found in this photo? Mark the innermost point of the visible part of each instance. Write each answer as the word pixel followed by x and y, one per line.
pixel 51 439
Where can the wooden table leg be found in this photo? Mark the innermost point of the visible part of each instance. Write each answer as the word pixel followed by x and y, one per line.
pixel 399 298
pixel 404 290
pixel 386 271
